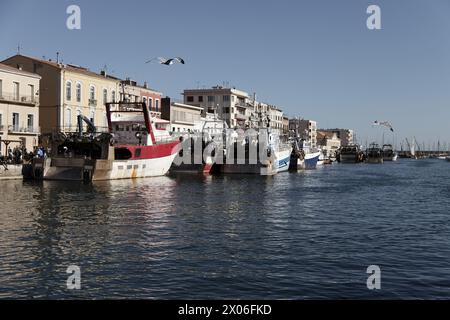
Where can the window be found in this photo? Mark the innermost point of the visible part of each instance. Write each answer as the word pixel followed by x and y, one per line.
pixel 30 122
pixel 91 93
pixel 68 91
pixel 113 96
pixel 16 90
pixel 150 104
pixel 200 98
pixel 156 105
pixel 92 117
pixel 31 88
pixel 1 88
pixel 15 121
pixel 226 98
pixel 144 100
pixel 67 118
pixel 105 96
pixel 1 123
pixel 190 99
pixel 210 98
pixel 78 92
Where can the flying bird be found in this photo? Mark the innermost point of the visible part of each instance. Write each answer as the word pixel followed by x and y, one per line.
pixel 166 61
pixel 384 124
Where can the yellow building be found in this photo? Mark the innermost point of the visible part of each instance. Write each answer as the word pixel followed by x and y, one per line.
pixel 19 112
pixel 68 91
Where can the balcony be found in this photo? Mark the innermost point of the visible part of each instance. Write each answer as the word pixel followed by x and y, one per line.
pixel 92 103
pixel 18 98
pixel 2 127
pixel 23 130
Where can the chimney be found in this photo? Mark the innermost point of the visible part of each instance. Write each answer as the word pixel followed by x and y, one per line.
pixel 103 73
pixel 145 85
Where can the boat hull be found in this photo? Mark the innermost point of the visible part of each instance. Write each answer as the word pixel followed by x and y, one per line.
pixel 374 160
pixel 156 161
pixel 278 162
pixel 310 161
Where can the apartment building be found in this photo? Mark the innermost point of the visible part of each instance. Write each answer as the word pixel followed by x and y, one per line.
pixel 67 91
pixel 183 117
pixel 345 135
pixel 273 113
pixel 19 108
pixel 131 91
pixel 306 129
pixel 329 142
pixel 230 104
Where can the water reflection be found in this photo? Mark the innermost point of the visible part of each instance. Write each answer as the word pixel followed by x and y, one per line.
pixel 237 236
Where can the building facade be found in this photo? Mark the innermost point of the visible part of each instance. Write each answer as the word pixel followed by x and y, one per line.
pixel 274 114
pixel 328 142
pixel 137 93
pixel 183 117
pixel 67 91
pixel 19 109
pixel 345 135
pixel 285 125
pixel 230 104
pixel 306 129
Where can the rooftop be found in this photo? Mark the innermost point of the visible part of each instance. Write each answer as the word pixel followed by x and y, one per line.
pixel 6 68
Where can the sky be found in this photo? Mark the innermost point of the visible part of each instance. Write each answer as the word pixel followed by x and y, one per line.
pixel 315 59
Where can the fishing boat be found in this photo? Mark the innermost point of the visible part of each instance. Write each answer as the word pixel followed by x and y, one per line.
pixel 388 153
pixel 350 154
pixel 374 154
pixel 303 157
pixel 262 153
pixel 135 146
pixel 200 150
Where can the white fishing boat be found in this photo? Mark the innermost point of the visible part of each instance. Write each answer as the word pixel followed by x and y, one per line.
pixel 270 155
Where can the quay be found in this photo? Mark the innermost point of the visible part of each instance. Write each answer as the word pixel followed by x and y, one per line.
pixel 11 172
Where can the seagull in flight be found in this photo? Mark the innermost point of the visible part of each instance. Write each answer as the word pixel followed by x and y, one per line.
pixel 166 61
pixel 384 124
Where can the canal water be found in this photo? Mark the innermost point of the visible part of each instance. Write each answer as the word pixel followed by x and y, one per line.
pixel 291 236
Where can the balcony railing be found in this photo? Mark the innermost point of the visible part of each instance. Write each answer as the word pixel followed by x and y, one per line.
pixel 12 97
pixel 92 103
pixel 26 130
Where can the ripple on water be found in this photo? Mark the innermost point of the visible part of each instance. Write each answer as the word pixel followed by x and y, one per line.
pixel 291 236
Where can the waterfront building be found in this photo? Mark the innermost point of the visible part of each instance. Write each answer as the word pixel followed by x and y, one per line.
pixel 68 91
pixel 328 142
pixel 274 114
pixel 307 129
pixel 19 108
pixel 133 92
pixel 231 105
pixel 285 125
pixel 346 135
pixel 183 117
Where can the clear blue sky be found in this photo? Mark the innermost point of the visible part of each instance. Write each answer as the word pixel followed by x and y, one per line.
pixel 315 59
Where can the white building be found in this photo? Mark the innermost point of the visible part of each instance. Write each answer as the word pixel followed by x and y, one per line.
pixel 346 135
pixel 274 114
pixel 230 104
pixel 307 129
pixel 19 108
pixel 183 117
pixel 328 142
